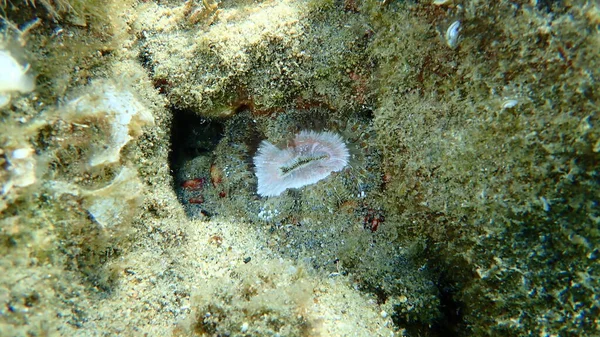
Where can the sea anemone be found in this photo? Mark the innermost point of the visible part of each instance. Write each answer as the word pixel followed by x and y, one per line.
pixel 311 157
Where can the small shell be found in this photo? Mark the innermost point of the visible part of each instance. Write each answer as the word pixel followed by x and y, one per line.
pixel 452 34
pixel 509 103
pixel 22 153
pixel 545 204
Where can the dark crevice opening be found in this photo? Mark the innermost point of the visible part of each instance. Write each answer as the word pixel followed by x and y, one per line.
pixel 451 322
pixel 192 136
pixel 193 141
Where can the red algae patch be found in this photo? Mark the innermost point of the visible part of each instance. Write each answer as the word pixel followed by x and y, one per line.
pixel 312 157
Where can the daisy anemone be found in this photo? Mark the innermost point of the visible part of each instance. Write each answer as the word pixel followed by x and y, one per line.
pixel 311 157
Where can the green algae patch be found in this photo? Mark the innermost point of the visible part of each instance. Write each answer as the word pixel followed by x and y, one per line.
pixel 475 139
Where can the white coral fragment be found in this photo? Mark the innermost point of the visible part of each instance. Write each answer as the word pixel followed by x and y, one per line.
pixel 21 166
pixel 13 78
pixel 111 205
pixel 114 204
pixel 20 171
pixel 120 109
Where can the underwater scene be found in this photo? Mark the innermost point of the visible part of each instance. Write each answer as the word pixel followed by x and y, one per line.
pixel 287 168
